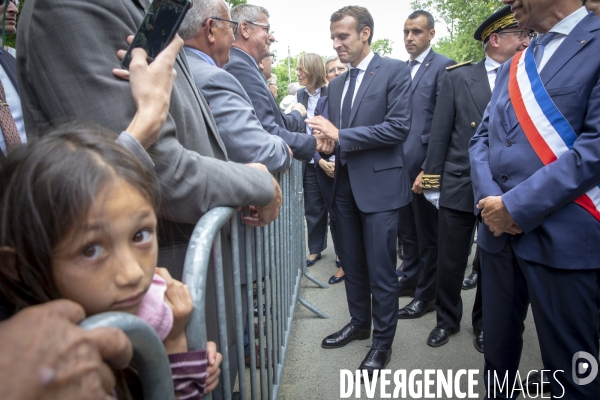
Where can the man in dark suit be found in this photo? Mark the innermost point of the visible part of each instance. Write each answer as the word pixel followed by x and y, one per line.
pixel 466 91
pixel 251 45
pixel 369 110
pixel 535 180
pixel 418 220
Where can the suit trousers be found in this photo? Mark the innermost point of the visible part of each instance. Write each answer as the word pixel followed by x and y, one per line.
pixel 326 185
pixel 315 211
pixel 565 310
pixel 456 230
pixel 418 228
pixel 368 250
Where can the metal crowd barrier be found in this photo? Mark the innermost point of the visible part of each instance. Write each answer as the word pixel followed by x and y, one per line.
pixel 276 254
pixel 149 355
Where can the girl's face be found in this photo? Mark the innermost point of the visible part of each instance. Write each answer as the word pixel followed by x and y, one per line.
pixel 108 263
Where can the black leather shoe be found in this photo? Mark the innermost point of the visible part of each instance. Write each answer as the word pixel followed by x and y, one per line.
pixel 478 341
pixel 336 279
pixel 416 309
pixel 377 358
pixel 470 281
pixel 439 336
pixel 534 381
pixel 405 291
pixel 310 263
pixel 344 336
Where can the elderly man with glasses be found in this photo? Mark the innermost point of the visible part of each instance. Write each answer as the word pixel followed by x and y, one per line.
pixel 208 34
pixel 251 45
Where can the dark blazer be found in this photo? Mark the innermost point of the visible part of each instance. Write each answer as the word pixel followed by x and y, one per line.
pixel 557 232
pixel 8 63
pixel 464 96
pixel 426 86
pixel 379 124
pixel 273 120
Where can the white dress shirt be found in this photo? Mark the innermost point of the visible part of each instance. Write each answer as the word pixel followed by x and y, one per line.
pixel 419 60
pixel 491 66
pixel 362 67
pixel 562 30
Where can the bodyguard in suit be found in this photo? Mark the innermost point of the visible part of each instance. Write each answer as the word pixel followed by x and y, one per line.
pixel 418 220
pixel 207 47
pixel 369 110
pixel 252 43
pixel 536 169
pixel 466 91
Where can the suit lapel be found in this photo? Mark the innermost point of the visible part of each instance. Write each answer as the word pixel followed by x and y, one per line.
pixel 7 61
pixel 579 37
pixel 335 91
pixel 479 87
pixel 368 77
pixel 211 126
pixel 422 69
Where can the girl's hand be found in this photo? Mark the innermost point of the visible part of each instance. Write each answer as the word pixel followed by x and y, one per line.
pixel 179 298
pixel 214 361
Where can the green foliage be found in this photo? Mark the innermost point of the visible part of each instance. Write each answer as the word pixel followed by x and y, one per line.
pixel 233 3
pixel 462 17
pixel 383 47
pixel 281 70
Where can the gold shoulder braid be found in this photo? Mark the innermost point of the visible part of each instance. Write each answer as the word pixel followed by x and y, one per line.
pixel 431 182
pixel 450 68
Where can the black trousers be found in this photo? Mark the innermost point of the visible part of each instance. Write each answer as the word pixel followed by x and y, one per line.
pixel 455 232
pixel 315 211
pixel 564 304
pixel 418 228
pixel 368 251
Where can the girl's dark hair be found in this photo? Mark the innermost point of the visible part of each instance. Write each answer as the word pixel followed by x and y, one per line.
pixel 46 190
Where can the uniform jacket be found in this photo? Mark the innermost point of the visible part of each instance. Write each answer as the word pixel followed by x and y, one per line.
pixel 460 106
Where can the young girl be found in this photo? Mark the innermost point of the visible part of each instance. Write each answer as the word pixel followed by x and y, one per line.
pixel 78 222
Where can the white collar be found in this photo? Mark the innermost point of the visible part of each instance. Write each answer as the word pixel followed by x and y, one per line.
pixel 491 64
pixel 365 62
pixel 317 92
pixel 566 25
pixel 423 55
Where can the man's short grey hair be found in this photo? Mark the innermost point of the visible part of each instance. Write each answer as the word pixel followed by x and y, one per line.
pixel 293 88
pixel 247 12
pixel 197 15
pixel 331 58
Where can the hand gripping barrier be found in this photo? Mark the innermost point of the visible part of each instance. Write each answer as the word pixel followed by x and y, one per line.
pixel 274 260
pixel 149 356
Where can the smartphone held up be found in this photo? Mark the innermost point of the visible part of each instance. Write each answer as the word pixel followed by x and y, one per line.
pixel 158 28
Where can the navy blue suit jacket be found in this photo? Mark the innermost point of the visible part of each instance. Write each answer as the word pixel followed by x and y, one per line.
pixel 379 124
pixel 273 120
pixel 426 86
pixel 557 232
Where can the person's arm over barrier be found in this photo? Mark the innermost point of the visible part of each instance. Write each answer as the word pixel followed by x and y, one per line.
pixel 46 356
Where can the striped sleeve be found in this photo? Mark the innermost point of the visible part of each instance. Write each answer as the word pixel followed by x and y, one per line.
pixel 189 374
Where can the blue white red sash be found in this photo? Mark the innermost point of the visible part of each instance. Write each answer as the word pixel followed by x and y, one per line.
pixel 547 130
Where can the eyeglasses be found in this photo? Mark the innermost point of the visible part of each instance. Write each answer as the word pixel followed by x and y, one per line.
pixel 265 27
pixel 233 24
pixel 523 33
pixel 338 69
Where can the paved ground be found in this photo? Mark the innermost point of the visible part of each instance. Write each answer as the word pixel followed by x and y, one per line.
pixel 312 372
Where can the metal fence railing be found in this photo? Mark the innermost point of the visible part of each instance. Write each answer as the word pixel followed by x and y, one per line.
pixel 274 260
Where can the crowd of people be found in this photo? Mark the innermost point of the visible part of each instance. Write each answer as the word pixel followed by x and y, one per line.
pixel 105 171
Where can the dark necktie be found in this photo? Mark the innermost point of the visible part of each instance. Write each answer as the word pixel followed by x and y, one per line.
pixel 7 123
pixel 347 104
pixel 412 64
pixel 540 46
